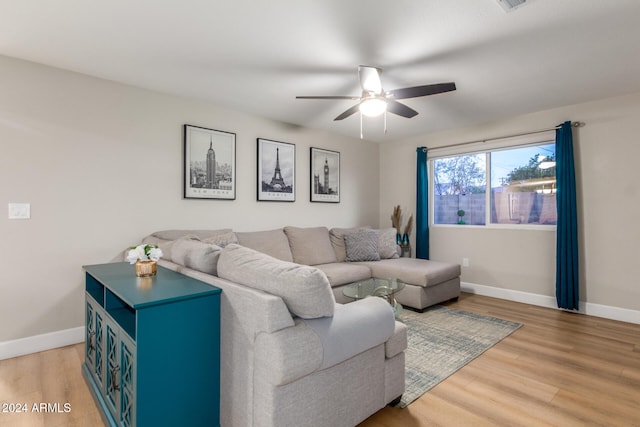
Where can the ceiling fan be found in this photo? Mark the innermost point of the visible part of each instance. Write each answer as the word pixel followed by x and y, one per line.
pixel 375 101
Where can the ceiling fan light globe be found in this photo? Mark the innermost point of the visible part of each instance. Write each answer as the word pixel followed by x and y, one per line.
pixel 373 107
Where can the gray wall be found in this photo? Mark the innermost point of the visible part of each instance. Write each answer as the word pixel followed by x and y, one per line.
pixel 101 165
pixel 607 174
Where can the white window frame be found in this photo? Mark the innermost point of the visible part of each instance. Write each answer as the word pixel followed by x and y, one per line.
pixel 486 147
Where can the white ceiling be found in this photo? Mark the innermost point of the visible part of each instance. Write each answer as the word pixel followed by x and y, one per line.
pixel 257 55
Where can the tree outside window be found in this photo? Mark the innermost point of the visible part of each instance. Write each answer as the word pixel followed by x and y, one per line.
pixel 459 189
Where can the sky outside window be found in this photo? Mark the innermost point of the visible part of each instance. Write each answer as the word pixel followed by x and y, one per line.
pixel 505 161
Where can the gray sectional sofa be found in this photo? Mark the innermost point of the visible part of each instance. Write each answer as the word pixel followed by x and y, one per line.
pixel 428 282
pixel 291 353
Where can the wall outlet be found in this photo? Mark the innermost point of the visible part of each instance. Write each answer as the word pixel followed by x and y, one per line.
pixel 465 262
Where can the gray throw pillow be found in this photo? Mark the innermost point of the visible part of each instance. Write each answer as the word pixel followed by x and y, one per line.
pixel 362 246
pixel 304 289
pixel 166 245
pixel 387 246
pixel 196 255
pixel 222 239
pixel 336 235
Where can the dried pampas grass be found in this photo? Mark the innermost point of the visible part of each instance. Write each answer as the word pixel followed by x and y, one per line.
pixel 409 226
pixel 396 218
pixel 396 221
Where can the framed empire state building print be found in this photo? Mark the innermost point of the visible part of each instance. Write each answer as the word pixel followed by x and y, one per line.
pixel 325 176
pixel 209 163
pixel 276 171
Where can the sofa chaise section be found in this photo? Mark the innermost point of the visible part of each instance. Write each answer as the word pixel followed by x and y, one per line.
pixel 428 282
pixel 337 253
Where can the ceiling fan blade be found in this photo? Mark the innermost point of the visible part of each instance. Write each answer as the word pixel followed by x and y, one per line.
pixel 348 113
pixel 354 98
pixel 370 79
pixel 416 91
pixel 400 109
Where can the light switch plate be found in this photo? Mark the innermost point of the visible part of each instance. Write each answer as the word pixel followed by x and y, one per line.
pixel 19 210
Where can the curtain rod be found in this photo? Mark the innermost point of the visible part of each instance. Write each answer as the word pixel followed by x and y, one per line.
pixel 573 124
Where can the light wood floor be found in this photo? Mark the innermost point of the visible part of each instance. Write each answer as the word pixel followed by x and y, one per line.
pixel 52 376
pixel 559 369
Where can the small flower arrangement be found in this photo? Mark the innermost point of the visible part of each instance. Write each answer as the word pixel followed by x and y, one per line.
pixel 144 253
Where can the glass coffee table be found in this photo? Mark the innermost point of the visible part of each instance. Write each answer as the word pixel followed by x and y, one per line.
pixel 384 288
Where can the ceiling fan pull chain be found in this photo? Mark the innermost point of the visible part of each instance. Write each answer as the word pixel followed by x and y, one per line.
pixel 385 122
pixel 361 136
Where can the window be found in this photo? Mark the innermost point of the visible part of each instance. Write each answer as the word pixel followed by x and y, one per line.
pixel 517 183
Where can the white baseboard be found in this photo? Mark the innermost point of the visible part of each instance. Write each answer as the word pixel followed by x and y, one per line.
pixel 36 343
pixel 598 310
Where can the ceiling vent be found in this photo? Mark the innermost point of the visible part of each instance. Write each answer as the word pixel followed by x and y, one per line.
pixel 509 5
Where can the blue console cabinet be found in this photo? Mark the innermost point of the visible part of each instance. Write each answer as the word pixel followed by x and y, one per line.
pixel 152 348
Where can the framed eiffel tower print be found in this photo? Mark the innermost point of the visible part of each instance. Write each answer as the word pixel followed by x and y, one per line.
pixel 209 164
pixel 325 176
pixel 276 171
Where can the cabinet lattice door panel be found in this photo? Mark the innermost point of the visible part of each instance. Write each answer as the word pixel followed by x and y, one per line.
pixel 98 370
pixel 127 382
pixel 90 335
pixel 94 338
pixel 149 344
pixel 113 370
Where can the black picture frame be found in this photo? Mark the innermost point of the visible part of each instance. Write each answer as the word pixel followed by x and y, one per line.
pixel 209 163
pixel 325 175
pixel 276 171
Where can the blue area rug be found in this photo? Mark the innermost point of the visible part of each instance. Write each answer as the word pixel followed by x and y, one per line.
pixel 443 340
